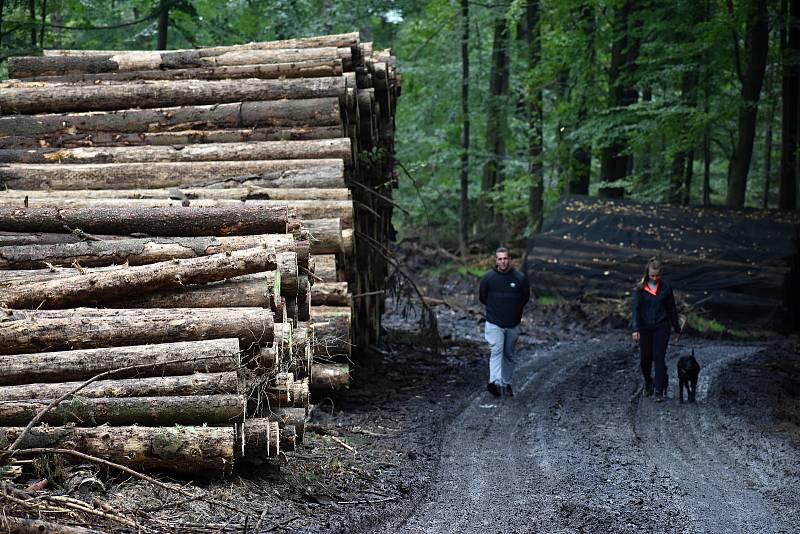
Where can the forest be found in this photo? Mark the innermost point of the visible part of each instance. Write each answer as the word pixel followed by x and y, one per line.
pixel 508 105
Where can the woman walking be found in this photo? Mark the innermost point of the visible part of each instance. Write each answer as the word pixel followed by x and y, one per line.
pixel 653 313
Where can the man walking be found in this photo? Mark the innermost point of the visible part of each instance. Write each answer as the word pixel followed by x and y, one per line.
pixel 504 291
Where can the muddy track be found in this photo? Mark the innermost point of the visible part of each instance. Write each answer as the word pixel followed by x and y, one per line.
pixel 579 450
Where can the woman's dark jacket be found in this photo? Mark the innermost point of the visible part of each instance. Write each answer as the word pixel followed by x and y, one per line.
pixel 651 310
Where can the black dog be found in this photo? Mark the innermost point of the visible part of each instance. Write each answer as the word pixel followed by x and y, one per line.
pixel 688 369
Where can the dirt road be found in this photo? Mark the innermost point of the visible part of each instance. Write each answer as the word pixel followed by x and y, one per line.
pixel 579 450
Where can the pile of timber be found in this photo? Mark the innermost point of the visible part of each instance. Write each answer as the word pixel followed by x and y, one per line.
pixel 199 234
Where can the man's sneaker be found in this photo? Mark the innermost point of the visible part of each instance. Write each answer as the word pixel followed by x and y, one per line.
pixel 659 397
pixel 507 391
pixel 648 389
pixel 493 389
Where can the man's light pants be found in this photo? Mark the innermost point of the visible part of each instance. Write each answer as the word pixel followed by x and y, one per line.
pixel 502 343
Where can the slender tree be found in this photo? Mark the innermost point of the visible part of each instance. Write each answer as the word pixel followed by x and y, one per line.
pixel 464 173
pixel 580 165
pixel 530 34
pixel 790 89
pixel 163 24
pixel 751 79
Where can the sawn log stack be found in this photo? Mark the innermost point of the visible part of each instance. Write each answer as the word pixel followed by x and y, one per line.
pixel 191 238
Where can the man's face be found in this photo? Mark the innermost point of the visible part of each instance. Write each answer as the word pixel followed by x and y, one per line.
pixel 502 261
pixel 655 275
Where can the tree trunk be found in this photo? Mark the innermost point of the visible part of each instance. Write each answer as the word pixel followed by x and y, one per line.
pixel 157 94
pixel 109 286
pixel 162 386
pixel 199 449
pixel 331 332
pixel 236 292
pixel 330 294
pixel 323 173
pixel 183 193
pixel 82 328
pixel 616 162
pixel 288 436
pixel 463 229
pixel 153 221
pixel 757 44
pixel 330 376
pixel 163 23
pixel 495 110
pixel 264 150
pixel 259 438
pixel 193 410
pixel 312 112
pixel 687 182
pixel 348 40
pixel 790 119
pixel 182 358
pixel 295 417
pixel 25 67
pixel 325 235
pixel 535 119
pixel 133 251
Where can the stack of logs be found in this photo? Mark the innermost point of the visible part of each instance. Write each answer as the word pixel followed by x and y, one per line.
pixel 176 228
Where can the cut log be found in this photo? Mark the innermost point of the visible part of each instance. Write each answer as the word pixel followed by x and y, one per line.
pixel 132 251
pixel 295 417
pixel 325 235
pixel 348 241
pixel 183 193
pixel 325 268
pixel 193 410
pixel 38 66
pixel 336 40
pixel 8 239
pixel 161 386
pixel 154 221
pixel 84 328
pixel 114 285
pixel 312 68
pixel 199 449
pixel 311 112
pixel 330 376
pixel 322 173
pixel 303 209
pixel 291 394
pixel 265 150
pixel 185 137
pixel 332 338
pixel 330 294
pixel 247 292
pixel 157 94
pixel 258 438
pixel 288 437
pixel 182 358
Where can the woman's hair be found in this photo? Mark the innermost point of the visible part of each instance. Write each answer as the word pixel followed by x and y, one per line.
pixel 654 264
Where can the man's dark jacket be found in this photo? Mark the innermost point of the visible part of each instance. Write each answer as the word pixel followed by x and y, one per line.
pixel 504 295
pixel 648 311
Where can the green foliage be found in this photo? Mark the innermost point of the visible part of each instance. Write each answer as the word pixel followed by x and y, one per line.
pixel 449 269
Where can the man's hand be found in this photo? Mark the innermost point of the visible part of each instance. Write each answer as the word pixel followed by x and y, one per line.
pixel 635 336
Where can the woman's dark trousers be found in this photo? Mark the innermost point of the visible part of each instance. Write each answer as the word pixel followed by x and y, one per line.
pixel 653 347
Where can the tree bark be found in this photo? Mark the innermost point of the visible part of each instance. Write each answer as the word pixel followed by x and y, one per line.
pixel 163 24
pixel 157 94
pixel 332 338
pixel 181 358
pixel 82 328
pixel 580 164
pixel 324 268
pixel 306 113
pixel 193 410
pixel 246 292
pixel 199 449
pixel 295 417
pixel 314 173
pixel 330 376
pixel 183 193
pixel 21 525
pixel 790 117
pixel 330 294
pixel 531 34
pixel 757 45
pixel 134 251
pixel 262 150
pixel 25 67
pixel 153 221
pixel 162 386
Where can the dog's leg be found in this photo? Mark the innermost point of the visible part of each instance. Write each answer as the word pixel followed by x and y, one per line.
pixel 681 384
pixel 693 390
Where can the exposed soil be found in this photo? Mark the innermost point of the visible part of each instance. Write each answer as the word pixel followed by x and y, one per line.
pixel 418 445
